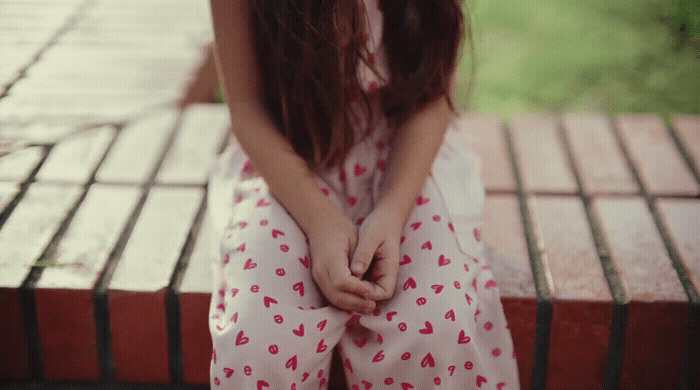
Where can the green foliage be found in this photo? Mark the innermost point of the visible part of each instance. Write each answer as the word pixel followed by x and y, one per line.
pixel 685 22
pixel 613 56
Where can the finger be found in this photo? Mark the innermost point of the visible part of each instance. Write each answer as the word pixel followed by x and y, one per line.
pixel 362 257
pixel 342 299
pixel 343 280
pixel 349 301
pixel 385 273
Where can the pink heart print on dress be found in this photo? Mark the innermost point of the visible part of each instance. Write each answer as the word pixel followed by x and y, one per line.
pixel 241 339
pixel 428 329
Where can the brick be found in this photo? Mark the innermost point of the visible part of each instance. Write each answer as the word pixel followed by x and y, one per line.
pixel 18 165
pixel 37 38
pixel 38 132
pixel 13 348
pixel 661 167
pixel 195 296
pixel 45 72
pixel 540 156
pixel 137 149
pixel 601 164
pixel 687 128
pixel 97 108
pixel 199 137
pixel 23 238
pixel 657 317
pixel 507 252
pixel 7 192
pixel 486 136
pixel 120 39
pixel 581 301
pixel 137 291
pixel 682 217
pixel 76 157
pixel 29 228
pixel 64 294
pixel 45 22
pixel 91 83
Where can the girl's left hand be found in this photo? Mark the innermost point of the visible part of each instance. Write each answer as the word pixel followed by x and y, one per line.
pixel 378 241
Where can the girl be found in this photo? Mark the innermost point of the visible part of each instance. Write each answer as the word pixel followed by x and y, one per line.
pixel 348 210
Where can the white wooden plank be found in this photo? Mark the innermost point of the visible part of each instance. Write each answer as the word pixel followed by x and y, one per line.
pixel 75 158
pixel 198 275
pixel 30 227
pixel 18 165
pixel 157 239
pixel 137 149
pixel 83 251
pixel 203 129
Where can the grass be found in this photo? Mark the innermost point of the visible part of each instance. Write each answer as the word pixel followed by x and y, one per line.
pixel 613 56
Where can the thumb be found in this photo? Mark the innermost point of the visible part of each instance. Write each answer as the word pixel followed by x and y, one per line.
pixel 362 257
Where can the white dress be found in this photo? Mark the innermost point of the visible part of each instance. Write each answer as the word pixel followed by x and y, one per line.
pixel 270 326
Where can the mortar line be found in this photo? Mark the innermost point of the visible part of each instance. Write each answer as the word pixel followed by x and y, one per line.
pixel 544 297
pixel 173 314
pixel 613 363
pixel 684 152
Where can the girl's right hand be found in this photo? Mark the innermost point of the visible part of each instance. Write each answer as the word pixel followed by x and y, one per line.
pixel 332 241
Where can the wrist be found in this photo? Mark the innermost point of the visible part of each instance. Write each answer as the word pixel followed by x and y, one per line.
pixel 315 214
pixel 394 212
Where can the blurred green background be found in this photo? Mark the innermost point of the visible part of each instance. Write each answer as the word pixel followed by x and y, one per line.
pixel 608 56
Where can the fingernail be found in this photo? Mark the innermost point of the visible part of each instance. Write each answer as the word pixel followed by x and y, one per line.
pixel 357 268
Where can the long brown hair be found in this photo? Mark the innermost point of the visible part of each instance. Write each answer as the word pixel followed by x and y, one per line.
pixel 309 50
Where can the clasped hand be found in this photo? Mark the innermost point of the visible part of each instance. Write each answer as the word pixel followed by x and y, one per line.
pixel 354 267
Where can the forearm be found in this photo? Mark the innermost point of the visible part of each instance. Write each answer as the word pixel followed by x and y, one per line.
pixel 286 174
pixel 413 152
